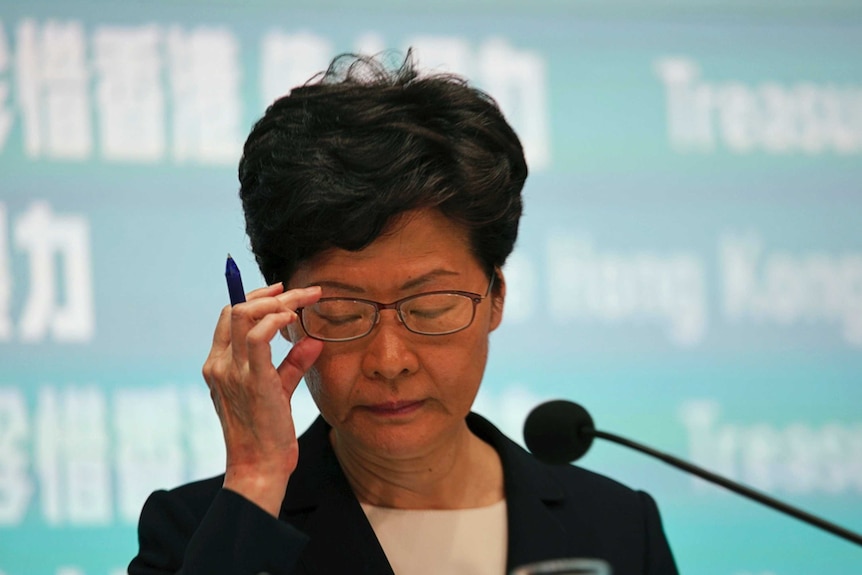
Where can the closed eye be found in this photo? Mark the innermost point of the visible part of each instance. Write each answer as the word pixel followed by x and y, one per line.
pixel 430 312
pixel 340 319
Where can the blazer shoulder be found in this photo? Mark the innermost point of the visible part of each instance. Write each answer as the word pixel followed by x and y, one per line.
pixel 194 498
pixel 198 493
pixel 576 478
pixel 180 508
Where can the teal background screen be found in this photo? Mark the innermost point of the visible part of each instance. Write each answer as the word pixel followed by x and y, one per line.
pixel 689 266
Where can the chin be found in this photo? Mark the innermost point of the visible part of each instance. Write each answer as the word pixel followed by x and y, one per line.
pixel 401 440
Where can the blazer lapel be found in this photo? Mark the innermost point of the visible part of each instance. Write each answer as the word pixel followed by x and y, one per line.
pixel 320 503
pixel 532 493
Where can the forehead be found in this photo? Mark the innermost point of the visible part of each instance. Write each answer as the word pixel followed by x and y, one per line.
pixel 419 243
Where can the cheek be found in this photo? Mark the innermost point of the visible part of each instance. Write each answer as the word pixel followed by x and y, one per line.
pixel 330 380
pixel 314 380
pixel 458 368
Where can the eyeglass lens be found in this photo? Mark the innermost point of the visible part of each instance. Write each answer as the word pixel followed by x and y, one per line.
pixel 431 314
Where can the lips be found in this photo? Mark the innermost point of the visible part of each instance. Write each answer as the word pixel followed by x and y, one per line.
pixel 394 408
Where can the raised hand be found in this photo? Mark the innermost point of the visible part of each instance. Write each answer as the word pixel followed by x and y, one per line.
pixel 252 396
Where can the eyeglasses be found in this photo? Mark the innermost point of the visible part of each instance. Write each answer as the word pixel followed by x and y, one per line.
pixel 430 313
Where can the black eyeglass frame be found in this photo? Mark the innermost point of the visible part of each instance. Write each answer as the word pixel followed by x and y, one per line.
pixel 396 305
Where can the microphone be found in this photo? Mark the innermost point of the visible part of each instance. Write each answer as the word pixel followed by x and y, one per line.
pixel 560 432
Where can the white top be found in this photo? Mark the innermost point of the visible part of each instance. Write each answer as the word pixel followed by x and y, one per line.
pixel 435 541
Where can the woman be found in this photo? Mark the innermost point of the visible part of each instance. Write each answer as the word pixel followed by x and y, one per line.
pixel 381 207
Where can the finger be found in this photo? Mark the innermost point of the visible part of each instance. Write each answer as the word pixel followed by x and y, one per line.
pixel 266 291
pixel 259 351
pixel 301 357
pixel 244 316
pixel 221 336
pixel 213 367
pixel 300 297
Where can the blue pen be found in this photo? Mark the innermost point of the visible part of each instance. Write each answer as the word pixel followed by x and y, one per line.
pixel 234 282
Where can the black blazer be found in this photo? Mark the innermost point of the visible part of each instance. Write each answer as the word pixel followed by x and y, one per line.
pixel 553 512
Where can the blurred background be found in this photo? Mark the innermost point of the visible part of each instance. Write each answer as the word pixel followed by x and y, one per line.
pixel 689 267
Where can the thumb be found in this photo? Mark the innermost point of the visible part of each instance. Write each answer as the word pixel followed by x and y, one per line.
pixel 299 359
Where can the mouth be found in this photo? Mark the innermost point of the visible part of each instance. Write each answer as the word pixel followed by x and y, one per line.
pixel 394 408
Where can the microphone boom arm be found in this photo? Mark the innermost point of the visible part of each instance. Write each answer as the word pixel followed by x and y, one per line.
pixel 731 485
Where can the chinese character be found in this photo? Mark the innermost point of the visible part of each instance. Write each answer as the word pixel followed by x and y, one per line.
pixel 205 77
pixel 130 93
pixel 15 486
pixel 148 445
pixel 5 113
pixel 72 456
pixel 44 235
pixel 52 82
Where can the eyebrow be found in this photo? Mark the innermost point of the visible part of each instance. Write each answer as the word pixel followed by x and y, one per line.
pixel 410 284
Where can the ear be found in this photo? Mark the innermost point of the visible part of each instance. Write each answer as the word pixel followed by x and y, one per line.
pixel 498 298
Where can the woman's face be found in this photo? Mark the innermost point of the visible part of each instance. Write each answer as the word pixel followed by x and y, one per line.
pixel 393 393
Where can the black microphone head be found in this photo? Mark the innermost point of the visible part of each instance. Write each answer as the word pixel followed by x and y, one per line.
pixel 553 431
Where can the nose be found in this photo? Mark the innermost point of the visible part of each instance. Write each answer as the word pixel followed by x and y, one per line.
pixel 389 353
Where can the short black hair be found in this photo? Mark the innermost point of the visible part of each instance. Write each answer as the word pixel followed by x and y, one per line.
pixel 337 160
